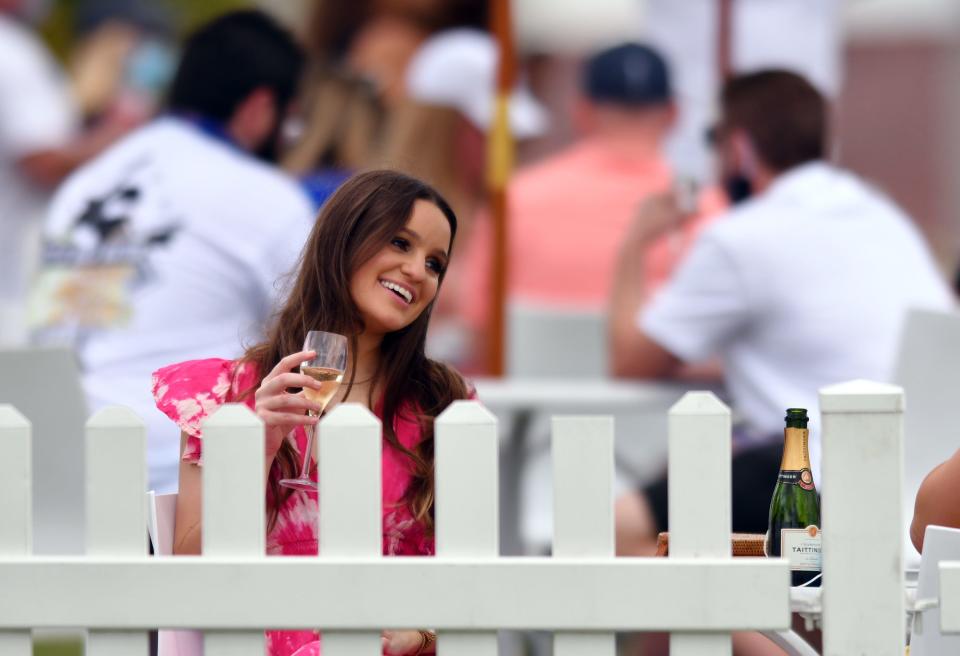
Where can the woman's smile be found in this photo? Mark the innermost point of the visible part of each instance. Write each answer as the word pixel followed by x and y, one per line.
pixel 401 292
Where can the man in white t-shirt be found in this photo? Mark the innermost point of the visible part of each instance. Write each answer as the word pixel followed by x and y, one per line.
pixel 804 283
pixel 39 145
pixel 172 245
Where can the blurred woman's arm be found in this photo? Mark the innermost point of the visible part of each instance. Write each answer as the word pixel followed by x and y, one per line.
pixel 937 500
pixel 186 532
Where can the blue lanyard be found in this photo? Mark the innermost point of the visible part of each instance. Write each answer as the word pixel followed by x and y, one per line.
pixel 211 127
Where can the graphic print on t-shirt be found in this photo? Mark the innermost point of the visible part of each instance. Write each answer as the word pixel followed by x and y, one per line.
pixel 89 271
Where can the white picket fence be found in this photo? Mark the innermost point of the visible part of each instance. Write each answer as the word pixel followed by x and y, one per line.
pixel 467 592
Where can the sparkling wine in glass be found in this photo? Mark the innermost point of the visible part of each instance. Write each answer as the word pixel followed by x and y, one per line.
pixel 327 369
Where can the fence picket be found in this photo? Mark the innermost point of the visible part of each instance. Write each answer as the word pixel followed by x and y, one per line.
pixel 15 506
pixel 16 643
pixel 350 505
pixel 699 516
pixel 583 510
pixel 116 480
pixel 15 483
pixel 467 503
pixel 950 597
pixel 233 508
pixel 862 519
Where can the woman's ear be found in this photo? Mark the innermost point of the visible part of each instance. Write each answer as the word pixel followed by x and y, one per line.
pixel 744 153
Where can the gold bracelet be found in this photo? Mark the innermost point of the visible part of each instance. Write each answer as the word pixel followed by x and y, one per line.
pixel 427 639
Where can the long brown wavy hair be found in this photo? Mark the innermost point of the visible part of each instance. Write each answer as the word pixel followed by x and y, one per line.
pixel 364 214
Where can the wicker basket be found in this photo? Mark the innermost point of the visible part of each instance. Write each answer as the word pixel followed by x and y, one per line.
pixel 742 544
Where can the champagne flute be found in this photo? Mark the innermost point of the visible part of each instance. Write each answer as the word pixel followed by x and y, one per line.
pixel 327 369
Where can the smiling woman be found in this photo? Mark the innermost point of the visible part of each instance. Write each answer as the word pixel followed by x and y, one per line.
pixel 371 270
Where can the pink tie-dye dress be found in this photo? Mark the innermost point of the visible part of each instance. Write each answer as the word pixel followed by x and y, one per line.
pixel 189 392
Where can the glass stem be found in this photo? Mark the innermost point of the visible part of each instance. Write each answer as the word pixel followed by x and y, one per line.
pixel 305 468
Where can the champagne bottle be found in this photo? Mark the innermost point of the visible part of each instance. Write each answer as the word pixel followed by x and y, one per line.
pixel 794 528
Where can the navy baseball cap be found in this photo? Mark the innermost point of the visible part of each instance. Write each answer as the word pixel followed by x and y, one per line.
pixel 628 74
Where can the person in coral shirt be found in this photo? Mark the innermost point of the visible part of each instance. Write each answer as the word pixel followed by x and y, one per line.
pixel 569 213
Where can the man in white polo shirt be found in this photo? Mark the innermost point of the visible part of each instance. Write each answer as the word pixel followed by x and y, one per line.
pixel 173 244
pixel 41 141
pixel 804 283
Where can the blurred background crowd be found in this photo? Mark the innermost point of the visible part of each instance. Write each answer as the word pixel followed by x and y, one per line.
pixel 409 84
pixel 612 108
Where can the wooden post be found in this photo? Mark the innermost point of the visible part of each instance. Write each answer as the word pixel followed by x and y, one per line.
pixel 234 508
pixel 863 579
pixel 500 155
pixel 724 40
pixel 16 507
pixel 116 476
pixel 350 505
pixel 467 508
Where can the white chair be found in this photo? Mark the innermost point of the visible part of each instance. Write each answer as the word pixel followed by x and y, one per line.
pixel 552 342
pixel 939 544
pixel 161 515
pixel 928 369
pixel 545 342
pixel 161 518
pixel 792 643
pixel 44 384
pixel 541 342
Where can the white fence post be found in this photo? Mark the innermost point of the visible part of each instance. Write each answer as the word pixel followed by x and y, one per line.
pixel 116 481
pixel 233 508
pixel 583 510
pixel 467 503
pixel 350 506
pixel 15 506
pixel 863 598
pixel 699 513
pixel 950 596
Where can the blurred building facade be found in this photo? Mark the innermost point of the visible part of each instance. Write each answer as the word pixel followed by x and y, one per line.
pixel 896 115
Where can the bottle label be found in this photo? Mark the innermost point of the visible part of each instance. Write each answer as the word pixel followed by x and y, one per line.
pixel 802 547
pixel 802 477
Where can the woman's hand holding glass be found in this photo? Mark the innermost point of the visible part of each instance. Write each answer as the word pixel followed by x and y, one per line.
pixel 325 369
pixel 280 410
pixel 403 643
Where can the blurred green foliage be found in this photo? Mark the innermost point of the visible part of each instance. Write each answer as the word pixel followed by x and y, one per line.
pixel 59 647
pixel 190 13
pixel 58 28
